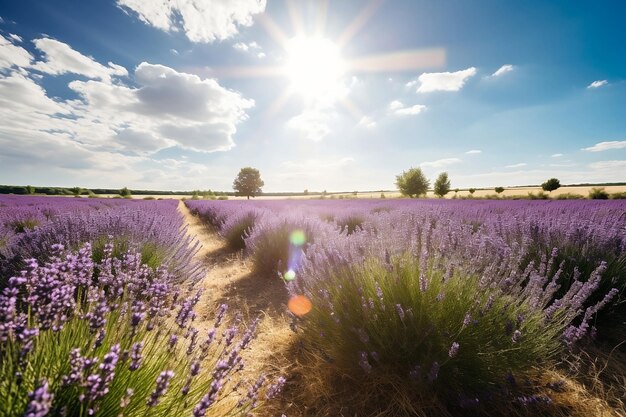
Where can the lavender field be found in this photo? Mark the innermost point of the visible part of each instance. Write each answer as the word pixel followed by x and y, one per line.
pixel 400 307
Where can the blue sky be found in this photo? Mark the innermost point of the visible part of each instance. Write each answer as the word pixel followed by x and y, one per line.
pixel 317 95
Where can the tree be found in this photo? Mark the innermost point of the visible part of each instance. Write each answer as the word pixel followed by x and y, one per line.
pixel 499 189
pixel 248 182
pixel 30 189
pixel 472 191
pixel 442 184
pixel 551 185
pixel 412 182
pixel 125 192
pixel 306 191
pixel 76 191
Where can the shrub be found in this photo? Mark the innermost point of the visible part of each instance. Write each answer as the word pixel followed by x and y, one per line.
pixel 350 223
pixel 239 226
pixel 598 194
pixel 421 328
pixel 539 196
pixel 618 196
pixel 431 332
pixel 277 244
pixel 222 197
pixel 77 345
pixel 499 190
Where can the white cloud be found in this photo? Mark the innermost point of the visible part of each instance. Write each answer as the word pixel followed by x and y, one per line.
pixel 503 70
pixel 410 111
pixel 474 152
pixel 201 20
pixel 607 165
pixel 313 123
pixel 521 164
pixel 164 108
pixel 252 47
pixel 399 109
pixel 598 83
pixel 556 155
pixel 174 51
pixel 440 162
pixel 60 58
pixel 443 81
pixel 395 105
pixel 15 37
pixel 240 46
pixel 605 146
pixel 366 122
pixel 12 55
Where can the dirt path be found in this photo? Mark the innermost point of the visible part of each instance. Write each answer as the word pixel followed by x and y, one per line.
pixel 231 280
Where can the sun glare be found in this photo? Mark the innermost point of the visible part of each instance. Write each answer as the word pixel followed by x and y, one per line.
pixel 315 67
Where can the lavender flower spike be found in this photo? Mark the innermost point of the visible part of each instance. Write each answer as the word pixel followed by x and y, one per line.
pixel 162 384
pixel 454 349
pixel 40 401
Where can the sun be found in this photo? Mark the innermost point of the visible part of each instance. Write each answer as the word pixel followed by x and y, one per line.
pixel 314 67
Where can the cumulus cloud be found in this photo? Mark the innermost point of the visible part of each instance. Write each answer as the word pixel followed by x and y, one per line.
pixel 520 165
pixel 442 81
pixel 366 122
pixel 605 146
pixel 313 123
pixel 12 55
pixel 440 163
pixel 474 151
pixel 598 83
pixel 60 58
pixel 399 109
pixel 201 20
pixel 503 70
pixel 251 47
pixel 163 108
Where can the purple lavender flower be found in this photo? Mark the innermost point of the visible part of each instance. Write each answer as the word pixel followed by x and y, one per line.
pixel 162 384
pixel 454 349
pixel 77 363
pixel 276 388
pixel 400 312
pixel 208 400
pixel 135 356
pixel 517 335
pixel 220 315
pixel 40 401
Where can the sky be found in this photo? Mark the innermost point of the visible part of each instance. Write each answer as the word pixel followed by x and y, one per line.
pixel 317 95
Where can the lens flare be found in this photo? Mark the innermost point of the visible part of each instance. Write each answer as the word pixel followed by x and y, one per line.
pixel 299 305
pixel 297 238
pixel 289 275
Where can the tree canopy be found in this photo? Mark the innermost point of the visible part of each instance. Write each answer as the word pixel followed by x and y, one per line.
pixel 442 185
pixel 248 182
pixel 551 185
pixel 412 182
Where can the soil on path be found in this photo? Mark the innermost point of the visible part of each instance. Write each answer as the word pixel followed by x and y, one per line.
pixel 230 279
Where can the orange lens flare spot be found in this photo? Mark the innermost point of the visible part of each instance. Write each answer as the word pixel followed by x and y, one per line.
pixel 299 305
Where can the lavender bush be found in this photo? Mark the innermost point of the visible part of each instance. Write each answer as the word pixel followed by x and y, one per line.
pixel 114 338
